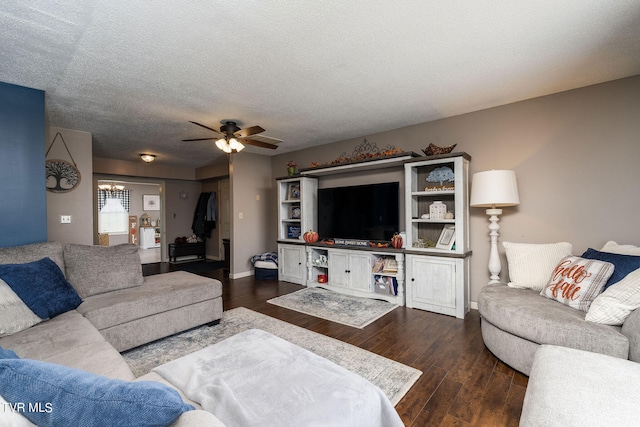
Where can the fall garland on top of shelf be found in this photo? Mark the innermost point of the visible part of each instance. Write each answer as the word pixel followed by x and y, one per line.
pixel 364 151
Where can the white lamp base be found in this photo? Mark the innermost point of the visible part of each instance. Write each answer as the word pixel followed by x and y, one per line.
pixel 494 257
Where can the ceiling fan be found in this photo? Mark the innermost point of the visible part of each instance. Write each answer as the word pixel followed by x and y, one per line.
pixel 231 138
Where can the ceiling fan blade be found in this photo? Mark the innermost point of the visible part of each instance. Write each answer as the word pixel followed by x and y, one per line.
pixel 258 143
pixel 206 127
pixel 200 139
pixel 243 133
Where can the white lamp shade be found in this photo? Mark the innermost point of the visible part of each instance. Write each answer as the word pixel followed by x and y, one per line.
pixel 494 188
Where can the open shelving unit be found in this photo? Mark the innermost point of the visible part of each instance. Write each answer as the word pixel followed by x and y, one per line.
pixel 437 247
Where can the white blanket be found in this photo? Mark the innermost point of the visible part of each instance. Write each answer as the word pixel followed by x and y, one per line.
pixel 257 379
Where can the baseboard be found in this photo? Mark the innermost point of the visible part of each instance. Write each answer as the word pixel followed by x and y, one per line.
pixel 241 275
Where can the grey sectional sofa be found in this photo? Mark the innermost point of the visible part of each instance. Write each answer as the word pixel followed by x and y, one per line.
pixel 516 322
pixel 120 310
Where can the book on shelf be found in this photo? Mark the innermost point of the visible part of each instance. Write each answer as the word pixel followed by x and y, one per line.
pixel 378 266
pixel 390 266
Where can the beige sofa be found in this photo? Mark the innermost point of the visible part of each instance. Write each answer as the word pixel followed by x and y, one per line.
pixel 114 316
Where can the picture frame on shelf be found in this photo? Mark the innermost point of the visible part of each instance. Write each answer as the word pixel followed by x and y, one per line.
pixel 295 212
pixel 447 237
pixel 294 191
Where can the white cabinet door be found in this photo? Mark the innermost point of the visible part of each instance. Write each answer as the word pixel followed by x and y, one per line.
pixel 360 271
pixel 431 283
pixel 339 268
pixel 351 270
pixel 291 263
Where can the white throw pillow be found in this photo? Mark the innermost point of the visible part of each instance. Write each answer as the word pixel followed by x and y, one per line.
pixel 614 248
pixel 531 264
pixel 15 316
pixel 613 306
pixel 577 281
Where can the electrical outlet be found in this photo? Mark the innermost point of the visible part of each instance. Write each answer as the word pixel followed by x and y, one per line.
pixel 65 219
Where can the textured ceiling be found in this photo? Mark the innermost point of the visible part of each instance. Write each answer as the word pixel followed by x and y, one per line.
pixel 133 73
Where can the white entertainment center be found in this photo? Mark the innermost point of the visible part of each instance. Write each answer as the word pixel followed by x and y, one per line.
pixel 430 272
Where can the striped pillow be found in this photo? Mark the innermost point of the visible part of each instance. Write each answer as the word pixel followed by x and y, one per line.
pixel 613 306
pixel 577 281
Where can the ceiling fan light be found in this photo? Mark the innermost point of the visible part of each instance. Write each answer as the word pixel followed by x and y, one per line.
pixel 221 143
pixel 233 144
pixel 239 147
pixel 227 149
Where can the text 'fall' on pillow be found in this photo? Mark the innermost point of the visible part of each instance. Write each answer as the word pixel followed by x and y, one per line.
pixel 577 281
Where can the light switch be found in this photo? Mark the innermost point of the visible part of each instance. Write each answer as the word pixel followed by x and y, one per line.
pixel 65 219
pixel 240 215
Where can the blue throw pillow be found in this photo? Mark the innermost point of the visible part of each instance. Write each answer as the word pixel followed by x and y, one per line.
pixel 8 354
pixel 55 395
pixel 42 286
pixel 624 264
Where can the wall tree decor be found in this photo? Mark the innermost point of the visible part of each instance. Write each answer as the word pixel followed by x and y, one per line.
pixel 61 176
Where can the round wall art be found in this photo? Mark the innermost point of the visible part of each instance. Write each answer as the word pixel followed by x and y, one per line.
pixel 61 175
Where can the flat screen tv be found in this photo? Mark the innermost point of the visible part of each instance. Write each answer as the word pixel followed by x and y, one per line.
pixel 366 212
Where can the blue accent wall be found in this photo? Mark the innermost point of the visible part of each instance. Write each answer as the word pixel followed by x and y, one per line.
pixel 23 199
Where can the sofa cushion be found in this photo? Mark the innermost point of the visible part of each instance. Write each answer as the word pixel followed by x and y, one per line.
pixel 71 340
pixel 530 264
pixel 95 270
pixel 33 252
pixel 160 293
pixel 624 264
pixel 525 313
pixel 68 396
pixel 577 281
pixel 614 305
pixel 568 387
pixel 42 286
pixel 15 316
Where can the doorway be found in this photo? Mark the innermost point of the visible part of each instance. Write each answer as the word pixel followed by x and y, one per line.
pixel 143 204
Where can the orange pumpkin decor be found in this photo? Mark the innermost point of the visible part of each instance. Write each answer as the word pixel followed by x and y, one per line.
pixel 310 236
pixel 396 241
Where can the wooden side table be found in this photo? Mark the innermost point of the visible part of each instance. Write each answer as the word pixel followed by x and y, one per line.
pixel 187 249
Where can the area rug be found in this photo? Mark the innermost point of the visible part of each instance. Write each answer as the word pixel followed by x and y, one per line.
pixel 336 307
pixel 393 378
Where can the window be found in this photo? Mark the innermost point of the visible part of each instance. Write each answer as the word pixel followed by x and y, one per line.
pixel 113 212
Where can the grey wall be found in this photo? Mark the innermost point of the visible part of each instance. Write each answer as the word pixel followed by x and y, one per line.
pixel 79 202
pixel 252 197
pixel 575 154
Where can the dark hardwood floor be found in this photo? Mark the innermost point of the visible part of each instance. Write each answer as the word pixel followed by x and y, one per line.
pixel 462 384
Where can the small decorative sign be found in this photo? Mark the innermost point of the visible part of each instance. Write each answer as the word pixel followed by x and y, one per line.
pixel 352 242
pixel 294 231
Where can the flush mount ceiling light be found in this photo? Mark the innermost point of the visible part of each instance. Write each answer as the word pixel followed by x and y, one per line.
pixel 148 158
